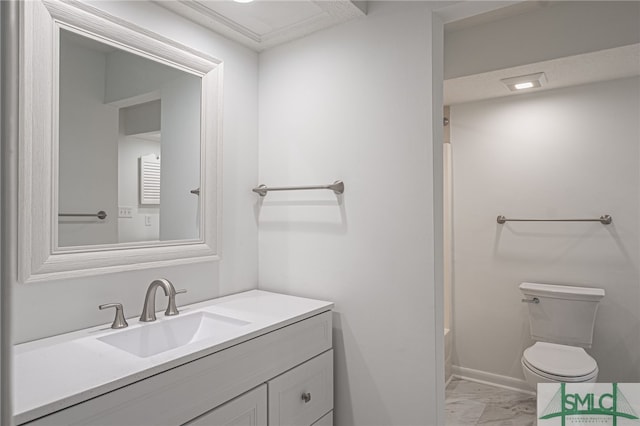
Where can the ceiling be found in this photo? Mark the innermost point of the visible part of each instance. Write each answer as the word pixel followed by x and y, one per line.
pixel 603 65
pixel 263 24
pixel 496 10
pixel 266 23
pixel 591 67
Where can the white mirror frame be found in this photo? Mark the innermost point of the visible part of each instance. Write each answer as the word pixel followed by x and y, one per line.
pixel 38 258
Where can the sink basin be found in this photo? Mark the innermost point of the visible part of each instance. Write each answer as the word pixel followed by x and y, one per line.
pixel 171 333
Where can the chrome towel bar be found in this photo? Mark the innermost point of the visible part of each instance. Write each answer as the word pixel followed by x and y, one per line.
pixel 337 187
pixel 604 219
pixel 100 215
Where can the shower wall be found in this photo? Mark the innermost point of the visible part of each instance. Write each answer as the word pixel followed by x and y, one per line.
pixel 565 153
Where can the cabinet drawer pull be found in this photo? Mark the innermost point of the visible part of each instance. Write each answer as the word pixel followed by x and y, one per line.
pixel 306 397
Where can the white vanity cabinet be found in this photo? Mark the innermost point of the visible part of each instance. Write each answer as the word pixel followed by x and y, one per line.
pixel 302 396
pixel 283 376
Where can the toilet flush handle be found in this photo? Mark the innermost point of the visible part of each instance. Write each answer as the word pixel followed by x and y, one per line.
pixel 534 300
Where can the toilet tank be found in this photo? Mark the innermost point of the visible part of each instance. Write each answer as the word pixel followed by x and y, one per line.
pixel 564 314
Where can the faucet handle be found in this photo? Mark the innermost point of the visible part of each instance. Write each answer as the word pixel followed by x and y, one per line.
pixel 171 306
pixel 118 321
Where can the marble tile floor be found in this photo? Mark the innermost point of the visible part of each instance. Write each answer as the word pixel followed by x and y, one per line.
pixel 472 403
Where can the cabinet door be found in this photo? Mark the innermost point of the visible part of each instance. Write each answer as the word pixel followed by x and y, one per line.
pixel 326 420
pixel 304 394
pixel 249 409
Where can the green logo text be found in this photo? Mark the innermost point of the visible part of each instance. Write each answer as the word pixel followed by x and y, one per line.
pixel 612 404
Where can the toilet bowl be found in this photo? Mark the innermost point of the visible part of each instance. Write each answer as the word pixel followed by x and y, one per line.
pixel 553 363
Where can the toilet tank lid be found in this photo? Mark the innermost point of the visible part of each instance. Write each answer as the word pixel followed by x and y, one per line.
pixel 562 291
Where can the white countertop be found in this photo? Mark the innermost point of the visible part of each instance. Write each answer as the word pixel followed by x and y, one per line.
pixel 57 372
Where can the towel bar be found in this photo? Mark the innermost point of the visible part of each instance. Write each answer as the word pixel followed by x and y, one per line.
pixel 100 215
pixel 604 219
pixel 337 187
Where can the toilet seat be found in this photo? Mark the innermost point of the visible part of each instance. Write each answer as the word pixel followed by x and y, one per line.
pixel 560 362
pixel 546 377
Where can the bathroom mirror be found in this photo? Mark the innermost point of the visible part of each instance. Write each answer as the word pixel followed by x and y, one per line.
pixel 128 146
pixel 119 167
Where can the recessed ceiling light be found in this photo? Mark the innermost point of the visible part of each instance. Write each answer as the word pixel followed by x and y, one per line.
pixel 523 82
pixel 520 86
pixel 243 1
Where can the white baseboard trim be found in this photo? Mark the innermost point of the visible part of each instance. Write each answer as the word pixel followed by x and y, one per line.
pixel 448 381
pixel 492 379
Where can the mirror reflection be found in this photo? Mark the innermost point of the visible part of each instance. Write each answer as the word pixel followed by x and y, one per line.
pixel 129 146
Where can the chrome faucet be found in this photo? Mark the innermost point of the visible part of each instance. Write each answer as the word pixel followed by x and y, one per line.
pixel 149 308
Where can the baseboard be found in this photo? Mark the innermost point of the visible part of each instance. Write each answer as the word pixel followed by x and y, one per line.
pixel 448 380
pixel 505 382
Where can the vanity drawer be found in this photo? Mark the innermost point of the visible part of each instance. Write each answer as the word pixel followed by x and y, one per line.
pixel 304 394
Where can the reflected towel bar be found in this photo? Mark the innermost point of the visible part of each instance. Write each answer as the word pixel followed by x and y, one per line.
pixel 604 219
pixel 337 187
pixel 100 215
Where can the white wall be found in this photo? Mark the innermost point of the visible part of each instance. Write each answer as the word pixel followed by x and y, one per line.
pixel 131 76
pixel 88 155
pixel 179 208
pixel 132 229
pixel 570 152
pixel 48 308
pixel 5 380
pixel 141 118
pixel 355 103
pixel 558 29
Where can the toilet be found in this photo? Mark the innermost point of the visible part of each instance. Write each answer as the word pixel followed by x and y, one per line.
pixel 561 320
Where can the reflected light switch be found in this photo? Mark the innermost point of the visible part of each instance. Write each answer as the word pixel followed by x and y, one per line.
pixel 147 220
